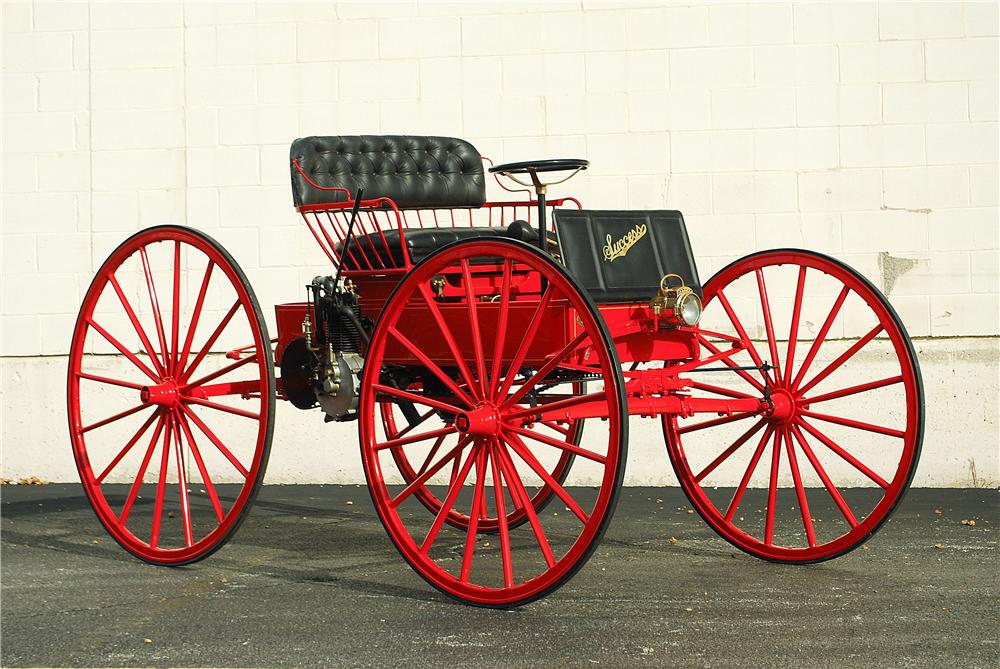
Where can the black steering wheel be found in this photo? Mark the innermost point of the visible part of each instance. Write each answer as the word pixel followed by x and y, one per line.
pixel 536 166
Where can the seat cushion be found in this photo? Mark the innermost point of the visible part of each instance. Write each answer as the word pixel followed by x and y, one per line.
pixel 415 172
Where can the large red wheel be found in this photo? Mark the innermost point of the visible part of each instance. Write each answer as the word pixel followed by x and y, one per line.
pixel 513 329
pixel 395 425
pixel 821 472
pixel 153 404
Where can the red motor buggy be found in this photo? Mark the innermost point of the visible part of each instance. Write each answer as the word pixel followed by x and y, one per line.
pixel 492 362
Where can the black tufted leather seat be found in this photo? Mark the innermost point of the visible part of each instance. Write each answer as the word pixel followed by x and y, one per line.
pixel 415 172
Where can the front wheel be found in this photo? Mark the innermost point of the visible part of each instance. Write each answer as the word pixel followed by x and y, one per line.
pixel 822 471
pixel 153 405
pixel 506 340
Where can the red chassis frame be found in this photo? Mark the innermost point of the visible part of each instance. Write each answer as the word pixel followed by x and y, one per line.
pixel 638 334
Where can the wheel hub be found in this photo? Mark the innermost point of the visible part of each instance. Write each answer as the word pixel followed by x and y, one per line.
pixel 784 406
pixel 165 394
pixel 483 421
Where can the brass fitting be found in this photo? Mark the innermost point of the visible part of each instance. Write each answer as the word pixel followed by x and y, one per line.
pixel 437 285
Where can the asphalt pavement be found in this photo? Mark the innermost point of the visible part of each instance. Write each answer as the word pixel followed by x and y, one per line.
pixel 311 580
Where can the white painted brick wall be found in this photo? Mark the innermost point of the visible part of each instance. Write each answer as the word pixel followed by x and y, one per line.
pixel 856 128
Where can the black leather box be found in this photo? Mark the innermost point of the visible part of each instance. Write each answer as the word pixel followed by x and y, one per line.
pixel 620 256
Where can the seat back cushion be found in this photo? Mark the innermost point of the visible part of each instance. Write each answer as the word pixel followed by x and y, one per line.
pixel 620 256
pixel 415 172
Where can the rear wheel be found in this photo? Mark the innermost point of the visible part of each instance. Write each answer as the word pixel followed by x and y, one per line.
pixel 152 404
pixel 821 472
pixel 512 330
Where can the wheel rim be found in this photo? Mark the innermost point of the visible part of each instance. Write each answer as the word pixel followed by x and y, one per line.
pixel 821 472
pixel 485 441
pixel 571 432
pixel 161 406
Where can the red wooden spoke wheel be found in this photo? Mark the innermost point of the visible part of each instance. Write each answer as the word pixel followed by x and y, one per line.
pixel 821 472
pixel 571 431
pixel 515 326
pixel 153 405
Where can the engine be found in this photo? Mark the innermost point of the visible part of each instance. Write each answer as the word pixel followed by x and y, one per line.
pixel 324 366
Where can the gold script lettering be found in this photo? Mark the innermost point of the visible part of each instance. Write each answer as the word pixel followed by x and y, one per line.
pixel 614 250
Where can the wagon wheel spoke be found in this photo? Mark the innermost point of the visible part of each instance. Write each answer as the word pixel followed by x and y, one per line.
pixel 134 490
pixel 474 514
pixel 526 341
pixel 838 499
pixel 856 424
pixel 211 341
pixel 182 482
pixel 546 369
pixel 561 445
pixel 800 491
pixel 715 422
pixel 821 335
pixel 430 454
pixel 772 490
pixel 131 357
pixel 113 419
pixel 518 492
pixel 207 431
pixel 841 359
pixel 222 372
pixel 501 331
pixel 836 448
pixel 412 426
pixel 715 350
pixel 109 381
pixel 735 446
pixel 719 390
pixel 741 331
pixel 474 331
pixel 415 398
pixel 128 447
pixel 553 425
pixel 520 411
pixel 742 487
pixel 518 446
pixel 449 502
pixel 155 308
pixel 431 366
pixel 213 496
pixel 793 329
pixel 498 494
pixel 415 438
pixel 765 306
pixel 195 316
pixel 175 320
pixel 161 485
pixel 853 390
pixel 139 330
pixel 427 472
pixel 449 339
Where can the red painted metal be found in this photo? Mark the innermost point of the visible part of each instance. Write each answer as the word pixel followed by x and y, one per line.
pixel 180 531
pixel 888 462
pixel 489 432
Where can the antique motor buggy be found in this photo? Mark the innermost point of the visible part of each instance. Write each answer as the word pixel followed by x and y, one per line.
pixel 491 361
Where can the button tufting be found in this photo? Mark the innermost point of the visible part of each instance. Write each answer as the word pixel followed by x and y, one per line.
pixel 413 171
